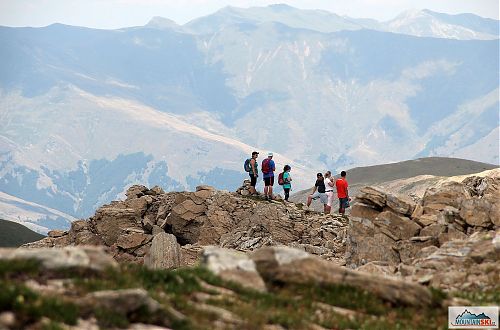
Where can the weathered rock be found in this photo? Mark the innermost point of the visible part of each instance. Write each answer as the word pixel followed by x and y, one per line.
pixel 191 255
pixel 449 194
pixel 379 268
pixel 233 266
pixel 360 210
pixel 476 212
pixel 400 227
pixel 400 204
pixel 450 235
pixel 109 223
pixel 365 243
pixel 372 196
pixel 156 230
pixel 433 230
pixel 426 219
pixel 84 257
pixel 290 266
pixel 409 249
pixel 123 301
pixel 81 234
pixel 57 233
pixel 463 264
pixel 133 240
pixel 164 252
pixel 136 191
pixel 204 187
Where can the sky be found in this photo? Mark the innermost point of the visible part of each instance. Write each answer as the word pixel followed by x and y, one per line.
pixel 109 14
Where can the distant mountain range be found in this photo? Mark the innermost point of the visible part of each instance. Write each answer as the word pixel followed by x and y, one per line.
pixel 85 113
pixel 14 234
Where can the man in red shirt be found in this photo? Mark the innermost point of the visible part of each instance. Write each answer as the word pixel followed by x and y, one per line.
pixel 342 193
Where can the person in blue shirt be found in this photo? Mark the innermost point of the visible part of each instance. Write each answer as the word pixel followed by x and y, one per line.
pixel 268 168
pixel 287 179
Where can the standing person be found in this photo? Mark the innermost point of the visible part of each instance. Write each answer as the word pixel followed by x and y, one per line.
pixel 287 179
pixel 329 184
pixel 318 192
pixel 254 172
pixel 342 193
pixel 268 168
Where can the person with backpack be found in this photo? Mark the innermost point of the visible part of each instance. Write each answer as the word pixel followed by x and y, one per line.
pixel 284 179
pixel 268 168
pixel 318 192
pixel 251 166
pixel 342 193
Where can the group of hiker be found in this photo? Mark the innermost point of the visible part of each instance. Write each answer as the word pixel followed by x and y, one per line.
pixel 323 188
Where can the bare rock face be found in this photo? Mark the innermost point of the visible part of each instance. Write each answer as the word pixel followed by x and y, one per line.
pixel 451 211
pixel 233 266
pixel 286 265
pixel 463 264
pixel 379 268
pixel 396 226
pixel 426 240
pixel 164 253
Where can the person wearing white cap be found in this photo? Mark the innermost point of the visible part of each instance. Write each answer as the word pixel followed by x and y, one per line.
pixel 268 168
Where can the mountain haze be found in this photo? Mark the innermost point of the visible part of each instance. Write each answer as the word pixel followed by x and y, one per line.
pixel 85 113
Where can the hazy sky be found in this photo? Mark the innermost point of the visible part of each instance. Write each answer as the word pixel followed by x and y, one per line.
pixel 122 13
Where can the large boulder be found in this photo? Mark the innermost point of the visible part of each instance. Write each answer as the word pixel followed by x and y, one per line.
pixel 110 222
pixel 449 194
pixel 290 266
pixel 372 196
pixel 476 212
pixel 164 253
pixel 399 227
pixel 233 266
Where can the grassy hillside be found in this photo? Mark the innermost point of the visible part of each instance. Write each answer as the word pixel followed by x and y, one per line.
pixel 359 177
pixel 13 234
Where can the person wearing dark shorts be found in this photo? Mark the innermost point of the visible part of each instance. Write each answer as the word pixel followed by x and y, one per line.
pixel 268 168
pixel 287 179
pixel 342 192
pixel 254 172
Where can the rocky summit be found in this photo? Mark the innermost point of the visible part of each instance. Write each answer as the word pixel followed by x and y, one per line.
pixel 214 259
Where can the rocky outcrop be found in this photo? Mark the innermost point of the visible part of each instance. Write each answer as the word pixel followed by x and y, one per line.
pixel 131 228
pixel 412 236
pixel 471 263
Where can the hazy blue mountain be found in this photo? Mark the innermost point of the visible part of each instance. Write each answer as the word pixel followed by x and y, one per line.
pixel 412 22
pixel 469 21
pixel 86 113
pixel 426 23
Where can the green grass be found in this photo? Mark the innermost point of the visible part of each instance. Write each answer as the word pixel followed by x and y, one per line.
pixel 30 306
pixel 481 297
pixel 291 306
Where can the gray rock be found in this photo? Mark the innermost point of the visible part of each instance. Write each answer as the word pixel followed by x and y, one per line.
pixel 233 266
pixel 164 252
pixel 81 257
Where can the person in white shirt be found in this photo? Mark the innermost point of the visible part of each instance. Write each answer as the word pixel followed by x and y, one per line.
pixel 329 185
